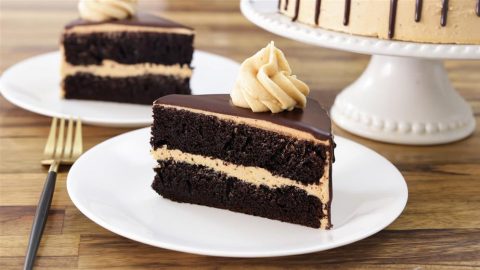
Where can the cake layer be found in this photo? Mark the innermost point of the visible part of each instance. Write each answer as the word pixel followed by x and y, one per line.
pixel 312 123
pixel 128 48
pixel 184 182
pixel 237 143
pixel 114 69
pixel 434 21
pixel 250 174
pixel 137 89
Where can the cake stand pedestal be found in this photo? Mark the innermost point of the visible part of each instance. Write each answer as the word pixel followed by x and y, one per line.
pixel 404 96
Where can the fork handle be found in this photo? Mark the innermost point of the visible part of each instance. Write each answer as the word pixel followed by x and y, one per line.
pixel 40 219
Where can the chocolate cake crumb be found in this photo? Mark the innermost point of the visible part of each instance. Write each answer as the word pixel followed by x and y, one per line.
pixel 197 184
pixel 135 89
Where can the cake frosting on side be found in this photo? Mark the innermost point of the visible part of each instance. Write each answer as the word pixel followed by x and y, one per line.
pixel 133 58
pixel 433 21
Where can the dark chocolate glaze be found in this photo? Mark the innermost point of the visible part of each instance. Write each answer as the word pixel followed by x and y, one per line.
pixel 317 10
pixel 392 18
pixel 346 13
pixel 313 119
pixel 286 5
pixel 477 8
pixel 418 10
pixel 141 19
pixel 443 19
pixel 297 9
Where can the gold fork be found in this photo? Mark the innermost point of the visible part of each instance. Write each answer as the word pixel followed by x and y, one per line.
pixel 59 149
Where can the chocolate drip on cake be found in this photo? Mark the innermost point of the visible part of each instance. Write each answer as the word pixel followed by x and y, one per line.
pixel 286 5
pixel 297 9
pixel 317 10
pixel 418 10
pixel 443 19
pixel 477 8
pixel 346 14
pixel 392 18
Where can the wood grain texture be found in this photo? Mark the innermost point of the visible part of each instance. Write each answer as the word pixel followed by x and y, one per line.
pixel 439 229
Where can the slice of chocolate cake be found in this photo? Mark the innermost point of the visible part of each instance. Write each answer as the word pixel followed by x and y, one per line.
pixel 129 58
pixel 276 166
pixel 260 151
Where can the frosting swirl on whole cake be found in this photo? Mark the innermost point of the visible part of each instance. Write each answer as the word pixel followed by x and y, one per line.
pixel 265 83
pixel 103 10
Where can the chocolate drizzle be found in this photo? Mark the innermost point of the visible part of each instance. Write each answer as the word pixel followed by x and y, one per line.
pixel 317 10
pixel 297 9
pixel 443 19
pixel 393 12
pixel 392 18
pixel 477 8
pixel 346 14
pixel 418 10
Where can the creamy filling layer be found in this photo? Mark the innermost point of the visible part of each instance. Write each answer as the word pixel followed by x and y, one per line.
pixel 114 69
pixel 253 175
pixel 110 27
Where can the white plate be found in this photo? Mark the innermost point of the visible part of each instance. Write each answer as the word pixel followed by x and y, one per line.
pixel 34 84
pixel 110 184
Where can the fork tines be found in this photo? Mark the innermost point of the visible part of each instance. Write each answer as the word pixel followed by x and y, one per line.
pixel 61 148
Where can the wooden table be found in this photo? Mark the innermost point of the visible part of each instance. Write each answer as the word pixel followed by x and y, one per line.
pixel 439 229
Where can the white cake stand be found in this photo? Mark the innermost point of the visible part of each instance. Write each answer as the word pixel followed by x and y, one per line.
pixel 404 96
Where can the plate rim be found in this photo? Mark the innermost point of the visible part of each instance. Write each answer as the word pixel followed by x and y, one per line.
pixel 6 92
pixel 234 254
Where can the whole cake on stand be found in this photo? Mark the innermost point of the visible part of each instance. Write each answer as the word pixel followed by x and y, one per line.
pixel 404 95
pixel 435 21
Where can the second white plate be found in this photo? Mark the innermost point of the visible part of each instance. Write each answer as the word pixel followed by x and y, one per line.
pixel 34 84
pixel 110 184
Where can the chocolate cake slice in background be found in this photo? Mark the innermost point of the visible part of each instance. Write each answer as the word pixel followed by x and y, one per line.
pixel 276 166
pixel 133 60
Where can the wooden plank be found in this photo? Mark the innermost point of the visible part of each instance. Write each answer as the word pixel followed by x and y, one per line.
pixel 51 245
pixel 52 262
pixel 17 220
pixel 386 247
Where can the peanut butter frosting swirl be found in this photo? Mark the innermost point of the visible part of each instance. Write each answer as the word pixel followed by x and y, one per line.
pixel 103 10
pixel 265 83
